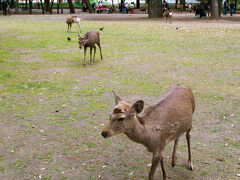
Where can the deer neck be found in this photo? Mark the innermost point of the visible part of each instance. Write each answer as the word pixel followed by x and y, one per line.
pixel 137 131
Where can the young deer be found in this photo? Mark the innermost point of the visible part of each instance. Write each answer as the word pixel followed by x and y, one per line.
pixel 167 14
pixel 72 20
pixel 89 40
pixel 162 122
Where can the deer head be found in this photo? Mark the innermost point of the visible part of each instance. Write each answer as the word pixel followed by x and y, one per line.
pixel 81 41
pixel 122 118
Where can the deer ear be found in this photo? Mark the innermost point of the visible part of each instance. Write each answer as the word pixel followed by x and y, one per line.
pixel 137 106
pixel 117 98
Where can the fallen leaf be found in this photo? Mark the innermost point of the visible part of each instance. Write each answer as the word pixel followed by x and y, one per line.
pixel 131 173
pixel 220 159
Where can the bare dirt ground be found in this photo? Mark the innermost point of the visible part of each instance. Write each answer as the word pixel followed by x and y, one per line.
pixel 52 109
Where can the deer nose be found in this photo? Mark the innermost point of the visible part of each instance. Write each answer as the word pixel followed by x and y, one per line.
pixel 104 134
pixel 80 47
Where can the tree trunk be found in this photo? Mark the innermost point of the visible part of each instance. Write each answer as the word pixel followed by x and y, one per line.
pixel 42 7
pixel 214 9
pixel 71 7
pixel 236 1
pixel 155 9
pixel 47 5
pixel 58 4
pixel 51 6
pixel 89 7
pixel 138 4
pixel 11 3
pixel 61 7
pixel 219 7
pixel 16 7
pixel 30 6
pixel 26 6
pixel 183 5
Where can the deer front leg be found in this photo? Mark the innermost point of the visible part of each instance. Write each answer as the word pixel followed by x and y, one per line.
pixel 190 165
pixel 174 158
pixel 85 50
pixel 163 170
pixel 79 27
pixel 155 161
pixel 94 53
pixel 90 55
pixel 100 49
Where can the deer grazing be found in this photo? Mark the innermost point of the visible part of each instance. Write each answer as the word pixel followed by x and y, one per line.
pixel 70 21
pixel 162 122
pixel 167 14
pixel 89 40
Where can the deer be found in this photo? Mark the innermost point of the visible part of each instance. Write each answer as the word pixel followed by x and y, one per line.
pixel 167 14
pixel 160 123
pixel 89 40
pixel 70 21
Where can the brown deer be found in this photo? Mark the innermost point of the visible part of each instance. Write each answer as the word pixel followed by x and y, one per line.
pixel 89 40
pixel 70 21
pixel 162 122
pixel 167 14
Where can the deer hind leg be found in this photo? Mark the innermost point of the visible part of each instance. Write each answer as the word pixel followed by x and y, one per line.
pixel 90 55
pixel 100 49
pixel 94 53
pixel 174 158
pixel 190 165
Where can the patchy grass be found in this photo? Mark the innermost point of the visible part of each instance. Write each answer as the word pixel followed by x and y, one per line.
pixel 52 109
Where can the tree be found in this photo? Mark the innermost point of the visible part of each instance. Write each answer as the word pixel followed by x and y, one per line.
pixel 42 7
pixel 236 1
pixel 89 7
pixel 16 6
pixel 47 5
pixel 59 4
pixel 138 4
pixel 71 7
pixel 51 7
pixel 155 9
pixel 30 6
pixel 26 6
pixel 214 9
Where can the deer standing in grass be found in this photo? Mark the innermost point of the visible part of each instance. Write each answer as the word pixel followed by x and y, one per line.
pixel 162 122
pixel 89 40
pixel 70 21
pixel 167 14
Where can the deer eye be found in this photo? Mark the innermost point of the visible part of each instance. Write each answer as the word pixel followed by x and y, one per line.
pixel 121 119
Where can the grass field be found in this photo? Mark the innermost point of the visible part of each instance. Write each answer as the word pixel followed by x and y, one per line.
pixel 52 108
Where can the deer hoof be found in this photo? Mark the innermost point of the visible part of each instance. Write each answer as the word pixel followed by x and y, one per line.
pixel 190 166
pixel 84 65
pixel 173 164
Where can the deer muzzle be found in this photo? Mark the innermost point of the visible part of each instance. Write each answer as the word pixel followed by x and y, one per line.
pixel 104 134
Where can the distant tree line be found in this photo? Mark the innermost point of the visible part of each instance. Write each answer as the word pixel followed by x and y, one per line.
pixel 155 7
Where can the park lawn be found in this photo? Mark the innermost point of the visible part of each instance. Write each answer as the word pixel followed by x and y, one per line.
pixel 52 108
